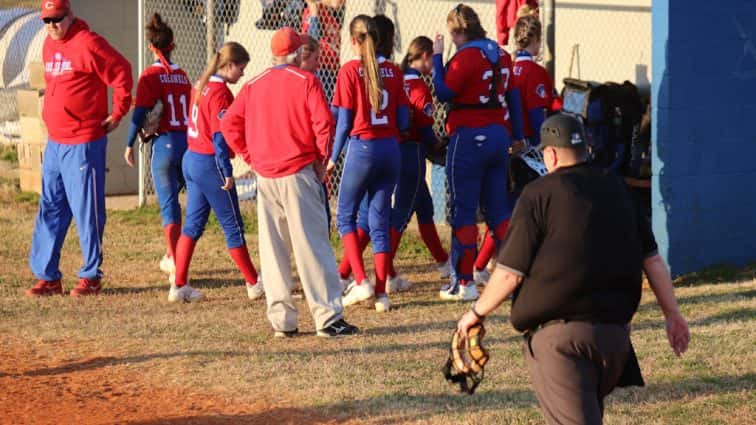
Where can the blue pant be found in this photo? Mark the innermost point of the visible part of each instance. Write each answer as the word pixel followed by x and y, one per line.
pixel 423 202
pixel 411 174
pixel 167 152
pixel 477 173
pixel 73 186
pixel 203 192
pixel 371 168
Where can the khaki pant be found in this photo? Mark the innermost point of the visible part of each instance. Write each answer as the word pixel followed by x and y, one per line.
pixel 573 366
pixel 291 217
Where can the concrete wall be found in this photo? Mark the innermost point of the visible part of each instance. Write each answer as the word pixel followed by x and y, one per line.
pixel 704 95
pixel 116 20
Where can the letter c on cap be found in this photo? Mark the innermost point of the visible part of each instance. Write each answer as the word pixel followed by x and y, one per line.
pixel 49 5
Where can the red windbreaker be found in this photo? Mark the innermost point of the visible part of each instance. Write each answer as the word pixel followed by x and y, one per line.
pixel 78 70
pixel 280 122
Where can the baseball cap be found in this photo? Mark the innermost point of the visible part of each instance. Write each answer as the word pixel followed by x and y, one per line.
pixel 562 131
pixel 285 42
pixel 55 8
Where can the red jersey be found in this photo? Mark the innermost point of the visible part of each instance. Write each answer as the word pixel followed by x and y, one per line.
pixel 280 122
pixel 172 87
pixel 78 70
pixel 206 116
pixel 329 38
pixel 420 105
pixel 536 88
pixel 351 93
pixel 469 75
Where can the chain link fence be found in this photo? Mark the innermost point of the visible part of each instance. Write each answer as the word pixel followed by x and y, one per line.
pixel 614 39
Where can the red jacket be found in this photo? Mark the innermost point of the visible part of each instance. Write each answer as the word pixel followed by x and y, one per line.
pixel 506 17
pixel 78 70
pixel 280 122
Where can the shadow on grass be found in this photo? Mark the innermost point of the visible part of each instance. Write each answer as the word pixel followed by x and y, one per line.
pixel 100 362
pixel 272 416
pixel 717 274
pixel 693 387
pixel 702 298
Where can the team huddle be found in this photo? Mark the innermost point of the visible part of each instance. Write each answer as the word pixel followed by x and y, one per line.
pixel 378 124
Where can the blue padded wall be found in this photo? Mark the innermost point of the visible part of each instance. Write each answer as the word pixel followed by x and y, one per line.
pixel 704 132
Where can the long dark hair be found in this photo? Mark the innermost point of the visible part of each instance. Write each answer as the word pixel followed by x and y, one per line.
pixel 417 48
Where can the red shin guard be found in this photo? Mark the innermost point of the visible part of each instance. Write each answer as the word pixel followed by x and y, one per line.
pixel 467 236
pixel 172 233
pixel 353 253
pixel 430 236
pixel 381 260
pixel 184 252
pixel 240 255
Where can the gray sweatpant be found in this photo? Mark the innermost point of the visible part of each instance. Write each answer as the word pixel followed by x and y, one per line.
pixel 573 366
pixel 291 217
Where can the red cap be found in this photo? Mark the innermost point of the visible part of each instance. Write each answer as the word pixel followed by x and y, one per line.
pixel 55 8
pixel 285 42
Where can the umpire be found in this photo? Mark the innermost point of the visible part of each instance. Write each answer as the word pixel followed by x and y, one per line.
pixel 573 259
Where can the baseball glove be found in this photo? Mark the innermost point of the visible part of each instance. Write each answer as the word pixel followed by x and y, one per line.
pixel 467 359
pixel 151 123
pixel 437 155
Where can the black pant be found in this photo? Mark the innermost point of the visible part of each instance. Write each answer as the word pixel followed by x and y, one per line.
pixel 573 366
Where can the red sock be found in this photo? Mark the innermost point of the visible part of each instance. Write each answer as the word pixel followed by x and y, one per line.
pixel 172 232
pixel 396 238
pixel 354 255
pixel 485 253
pixel 381 260
pixel 467 236
pixel 363 239
pixel 240 255
pixel 184 252
pixel 430 236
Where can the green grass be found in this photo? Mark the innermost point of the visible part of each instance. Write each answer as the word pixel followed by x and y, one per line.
pixel 8 153
pixel 390 374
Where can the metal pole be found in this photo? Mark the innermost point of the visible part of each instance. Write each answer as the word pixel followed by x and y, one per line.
pixel 140 62
pixel 210 27
pixel 549 49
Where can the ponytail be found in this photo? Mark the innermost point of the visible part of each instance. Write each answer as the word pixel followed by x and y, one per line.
pixel 364 31
pixel 231 52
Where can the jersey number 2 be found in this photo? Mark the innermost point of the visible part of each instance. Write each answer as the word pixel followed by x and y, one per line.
pixel 375 119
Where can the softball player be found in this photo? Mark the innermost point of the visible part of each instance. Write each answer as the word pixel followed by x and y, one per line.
pixel 209 176
pixel 167 83
pixel 479 127
pixel 372 108
pixel 411 193
pixel 537 95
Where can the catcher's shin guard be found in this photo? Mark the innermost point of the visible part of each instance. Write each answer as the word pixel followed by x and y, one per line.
pixel 463 252
pixel 467 358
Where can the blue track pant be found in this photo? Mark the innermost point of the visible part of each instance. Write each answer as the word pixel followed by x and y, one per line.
pixel 203 192
pixel 167 152
pixel 73 187
pixel 371 168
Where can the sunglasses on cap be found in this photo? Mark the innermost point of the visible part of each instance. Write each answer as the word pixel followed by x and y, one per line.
pixel 53 20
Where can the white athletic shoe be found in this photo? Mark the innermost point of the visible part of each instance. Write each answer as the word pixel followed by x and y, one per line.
pixel 382 303
pixel 167 265
pixel 481 276
pixel 444 269
pixel 344 283
pixel 356 293
pixel 397 284
pixel 185 293
pixel 456 292
pixel 255 291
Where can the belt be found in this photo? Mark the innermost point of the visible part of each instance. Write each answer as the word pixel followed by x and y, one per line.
pixel 528 334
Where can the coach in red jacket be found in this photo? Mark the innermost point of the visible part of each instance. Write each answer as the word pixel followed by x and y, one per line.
pixel 79 67
pixel 281 125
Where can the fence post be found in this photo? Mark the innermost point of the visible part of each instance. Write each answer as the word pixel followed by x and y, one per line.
pixel 548 19
pixel 210 28
pixel 140 62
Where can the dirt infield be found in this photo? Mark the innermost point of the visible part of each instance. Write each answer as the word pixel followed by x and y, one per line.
pixel 39 388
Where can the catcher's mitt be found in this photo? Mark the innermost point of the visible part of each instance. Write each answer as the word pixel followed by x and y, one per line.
pixel 151 123
pixel 437 155
pixel 467 359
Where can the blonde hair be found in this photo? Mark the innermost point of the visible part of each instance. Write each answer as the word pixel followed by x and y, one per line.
pixel 527 10
pixel 527 29
pixel 231 53
pixel 463 20
pixel 364 31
